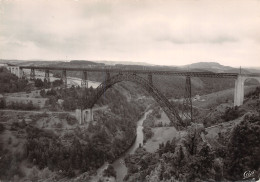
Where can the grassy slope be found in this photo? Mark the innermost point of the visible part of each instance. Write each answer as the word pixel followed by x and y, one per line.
pixel 163 134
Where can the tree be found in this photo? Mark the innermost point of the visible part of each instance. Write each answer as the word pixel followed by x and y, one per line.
pixel 109 171
pixel 29 106
pixel 43 93
pixel 2 104
pixel 2 128
pixel 11 83
pixel 243 148
pixel 57 83
pixel 38 83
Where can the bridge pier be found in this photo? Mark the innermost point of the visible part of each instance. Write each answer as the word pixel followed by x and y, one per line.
pixel 150 78
pixel 107 75
pixel 16 70
pixel 64 78
pixel 187 101
pixel 88 115
pixel 47 75
pixel 239 89
pixel 84 116
pixel 84 82
pixel 32 74
pixel 20 73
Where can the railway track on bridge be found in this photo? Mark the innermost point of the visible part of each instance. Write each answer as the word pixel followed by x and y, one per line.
pixel 131 71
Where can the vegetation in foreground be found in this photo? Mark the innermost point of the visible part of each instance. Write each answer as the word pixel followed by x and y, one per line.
pixel 68 152
pixel 11 83
pixel 196 156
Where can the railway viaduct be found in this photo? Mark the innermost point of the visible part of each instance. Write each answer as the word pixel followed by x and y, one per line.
pixel 147 84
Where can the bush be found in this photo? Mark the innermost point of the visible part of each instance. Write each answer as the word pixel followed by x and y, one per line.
pixel 11 83
pixel 70 173
pixel 232 113
pixel 2 128
pixel 9 140
pixel 59 125
pixel 148 133
pixel 57 83
pixel 39 83
pixel 71 120
pixel 22 106
pixel 109 171
pixel 2 104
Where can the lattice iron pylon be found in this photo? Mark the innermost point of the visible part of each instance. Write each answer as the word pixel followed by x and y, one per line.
pixel 187 101
pixel 32 74
pixel 84 80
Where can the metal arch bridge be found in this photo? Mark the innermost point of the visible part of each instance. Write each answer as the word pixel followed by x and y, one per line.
pixel 147 84
pixel 167 107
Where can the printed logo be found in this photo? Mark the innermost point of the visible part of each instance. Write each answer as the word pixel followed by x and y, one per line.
pixel 250 174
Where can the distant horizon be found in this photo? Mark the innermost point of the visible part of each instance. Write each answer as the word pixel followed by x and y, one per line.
pixel 147 63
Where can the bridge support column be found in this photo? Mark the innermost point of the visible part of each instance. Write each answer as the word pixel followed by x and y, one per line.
pixel 47 75
pixel 21 73
pixel 64 78
pixel 84 82
pixel 150 78
pixel 107 75
pixel 32 74
pixel 84 116
pixel 239 91
pixel 187 101
pixel 88 115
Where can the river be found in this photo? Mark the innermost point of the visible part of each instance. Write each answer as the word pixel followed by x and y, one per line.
pixel 119 164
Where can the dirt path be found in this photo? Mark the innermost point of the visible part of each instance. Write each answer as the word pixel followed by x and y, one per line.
pixel 50 112
pixel 36 112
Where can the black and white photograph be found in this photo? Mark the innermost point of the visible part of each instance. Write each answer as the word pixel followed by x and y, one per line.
pixel 129 90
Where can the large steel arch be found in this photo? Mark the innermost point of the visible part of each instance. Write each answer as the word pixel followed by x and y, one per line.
pixel 167 107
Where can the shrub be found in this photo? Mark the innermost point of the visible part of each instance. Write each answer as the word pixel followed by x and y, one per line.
pixel 2 104
pixel 148 133
pixel 232 113
pixel 59 125
pixel 9 140
pixel 2 128
pixel 39 83
pixel 109 171
pixel 71 120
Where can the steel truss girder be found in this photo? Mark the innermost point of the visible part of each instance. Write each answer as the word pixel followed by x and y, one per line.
pixel 154 72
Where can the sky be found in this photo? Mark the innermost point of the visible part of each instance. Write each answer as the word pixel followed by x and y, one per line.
pixel 163 32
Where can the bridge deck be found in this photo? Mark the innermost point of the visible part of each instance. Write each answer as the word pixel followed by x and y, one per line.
pixel 153 72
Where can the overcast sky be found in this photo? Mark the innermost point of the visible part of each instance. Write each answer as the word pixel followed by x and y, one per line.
pixel 176 32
